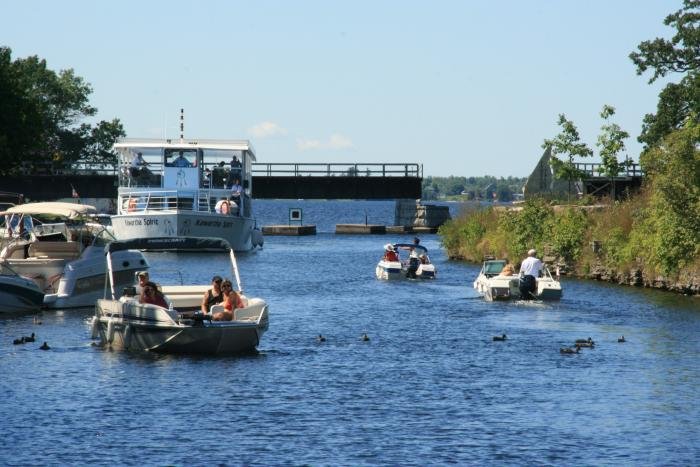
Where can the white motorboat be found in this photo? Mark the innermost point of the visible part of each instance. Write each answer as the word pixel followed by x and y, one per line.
pixel 56 246
pixel 18 294
pixel 416 266
pixel 495 286
pixel 183 188
pixel 125 324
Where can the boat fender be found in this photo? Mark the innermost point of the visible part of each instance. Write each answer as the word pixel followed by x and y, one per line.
pixel 127 336
pixel 110 331
pixel 95 327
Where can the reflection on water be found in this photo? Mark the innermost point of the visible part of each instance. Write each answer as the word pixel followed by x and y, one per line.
pixel 430 386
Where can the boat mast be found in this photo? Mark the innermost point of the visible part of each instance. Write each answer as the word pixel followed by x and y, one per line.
pixel 182 126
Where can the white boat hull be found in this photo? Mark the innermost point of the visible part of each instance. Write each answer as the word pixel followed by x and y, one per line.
pixel 507 288
pixel 78 283
pixel 395 270
pixel 19 295
pixel 237 231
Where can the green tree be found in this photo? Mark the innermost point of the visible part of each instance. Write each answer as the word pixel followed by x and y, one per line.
pixel 673 170
pixel 677 101
pixel 41 119
pixel 611 142
pixel 567 143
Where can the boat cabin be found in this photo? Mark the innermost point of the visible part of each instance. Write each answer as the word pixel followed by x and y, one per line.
pixel 184 174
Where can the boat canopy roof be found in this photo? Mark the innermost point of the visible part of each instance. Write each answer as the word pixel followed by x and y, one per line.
pixel 166 243
pixel 55 208
pixel 126 144
pixel 420 248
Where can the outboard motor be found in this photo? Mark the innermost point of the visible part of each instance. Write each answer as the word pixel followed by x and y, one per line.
pixel 528 287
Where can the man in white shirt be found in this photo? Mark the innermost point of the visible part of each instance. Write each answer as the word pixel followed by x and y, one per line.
pixel 529 272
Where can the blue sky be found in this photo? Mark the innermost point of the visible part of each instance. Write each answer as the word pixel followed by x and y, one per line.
pixel 467 88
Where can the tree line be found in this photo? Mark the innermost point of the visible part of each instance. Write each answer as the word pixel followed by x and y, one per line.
pixel 473 188
pixel 43 119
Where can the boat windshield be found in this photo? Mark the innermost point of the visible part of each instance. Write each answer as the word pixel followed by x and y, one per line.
pixel 493 267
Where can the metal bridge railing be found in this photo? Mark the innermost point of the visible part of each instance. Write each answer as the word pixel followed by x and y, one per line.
pixel 281 169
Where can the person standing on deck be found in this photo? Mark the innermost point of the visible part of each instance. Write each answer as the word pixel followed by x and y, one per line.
pixel 529 272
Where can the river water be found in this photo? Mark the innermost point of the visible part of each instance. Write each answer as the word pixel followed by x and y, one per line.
pixel 429 387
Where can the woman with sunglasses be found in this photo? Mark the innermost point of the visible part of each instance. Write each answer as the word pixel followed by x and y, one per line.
pixel 232 301
pixel 150 294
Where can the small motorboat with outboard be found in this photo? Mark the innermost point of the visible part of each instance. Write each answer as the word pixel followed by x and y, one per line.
pixel 494 284
pixel 126 324
pixel 416 265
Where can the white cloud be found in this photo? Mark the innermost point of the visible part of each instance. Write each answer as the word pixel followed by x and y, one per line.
pixel 336 141
pixel 267 130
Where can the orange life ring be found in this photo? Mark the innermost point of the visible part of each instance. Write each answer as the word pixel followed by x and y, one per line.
pixel 132 205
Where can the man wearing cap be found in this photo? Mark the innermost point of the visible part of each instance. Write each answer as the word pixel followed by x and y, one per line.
pixel 212 296
pixel 529 272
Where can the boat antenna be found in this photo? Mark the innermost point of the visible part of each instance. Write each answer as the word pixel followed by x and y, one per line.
pixel 235 270
pixel 182 125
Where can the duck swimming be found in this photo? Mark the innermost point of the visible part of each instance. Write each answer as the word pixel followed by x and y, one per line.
pixel 18 341
pixel 569 350
pixel 621 339
pixel 45 346
pixel 585 341
pixel 29 338
pixel 500 338
pixel 320 338
pixel 364 337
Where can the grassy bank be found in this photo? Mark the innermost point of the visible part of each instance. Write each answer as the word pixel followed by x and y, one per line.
pixel 625 242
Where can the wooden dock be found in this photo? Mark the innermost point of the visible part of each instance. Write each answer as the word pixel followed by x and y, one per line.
pixel 360 229
pixel 347 229
pixel 291 230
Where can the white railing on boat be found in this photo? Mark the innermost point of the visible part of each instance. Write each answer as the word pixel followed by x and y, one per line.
pixel 175 200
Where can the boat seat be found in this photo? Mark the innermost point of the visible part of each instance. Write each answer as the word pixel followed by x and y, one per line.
pixel 17 251
pixel 59 250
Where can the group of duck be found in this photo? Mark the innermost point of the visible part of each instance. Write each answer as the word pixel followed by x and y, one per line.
pixel 576 348
pixel 28 339
pixel 322 338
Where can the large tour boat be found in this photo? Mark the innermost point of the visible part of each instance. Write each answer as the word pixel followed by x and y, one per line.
pixel 175 189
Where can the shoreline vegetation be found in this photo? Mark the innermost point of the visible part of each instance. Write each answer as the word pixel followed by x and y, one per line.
pixel 620 242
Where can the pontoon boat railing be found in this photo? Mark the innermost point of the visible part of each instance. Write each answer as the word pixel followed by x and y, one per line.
pixel 169 200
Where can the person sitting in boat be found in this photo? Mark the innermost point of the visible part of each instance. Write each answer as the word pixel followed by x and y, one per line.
pixel 212 296
pixel 424 259
pixel 223 206
pixel 143 278
pixel 413 260
pixel 138 166
pixel 181 161
pixel 507 270
pixel 232 301
pixel 236 189
pixel 390 253
pixel 151 295
pixel 529 272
